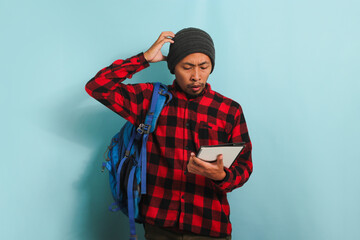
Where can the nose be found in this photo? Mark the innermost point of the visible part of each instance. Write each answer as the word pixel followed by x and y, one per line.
pixel 195 75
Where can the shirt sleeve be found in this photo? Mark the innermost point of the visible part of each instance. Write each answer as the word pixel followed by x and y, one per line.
pixel 239 172
pixel 127 100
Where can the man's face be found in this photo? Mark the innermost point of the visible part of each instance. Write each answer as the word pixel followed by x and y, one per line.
pixel 192 73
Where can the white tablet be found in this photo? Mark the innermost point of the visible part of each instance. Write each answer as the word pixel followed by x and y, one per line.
pixel 230 151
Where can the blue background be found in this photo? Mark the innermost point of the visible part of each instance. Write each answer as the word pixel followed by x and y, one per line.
pixel 292 65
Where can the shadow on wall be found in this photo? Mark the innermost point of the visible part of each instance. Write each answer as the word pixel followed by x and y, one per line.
pixel 92 126
pixel 92 215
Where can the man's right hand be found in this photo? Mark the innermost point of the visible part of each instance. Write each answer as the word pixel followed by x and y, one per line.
pixel 154 54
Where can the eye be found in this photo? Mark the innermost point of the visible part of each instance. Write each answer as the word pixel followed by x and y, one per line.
pixel 187 68
pixel 203 68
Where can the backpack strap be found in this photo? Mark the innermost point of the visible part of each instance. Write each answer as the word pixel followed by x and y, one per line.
pixel 164 97
pixel 160 97
pixel 131 204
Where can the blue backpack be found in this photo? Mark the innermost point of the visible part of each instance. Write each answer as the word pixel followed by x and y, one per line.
pixel 126 160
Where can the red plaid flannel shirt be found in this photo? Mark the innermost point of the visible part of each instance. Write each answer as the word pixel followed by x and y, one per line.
pixel 175 199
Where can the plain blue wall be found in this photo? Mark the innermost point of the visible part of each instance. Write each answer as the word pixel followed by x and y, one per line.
pixel 293 66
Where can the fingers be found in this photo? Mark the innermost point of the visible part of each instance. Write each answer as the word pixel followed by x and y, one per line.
pixel 166 35
pixel 153 54
pixel 197 162
pixel 165 40
pixel 212 170
pixel 192 162
pixel 162 40
pixel 192 165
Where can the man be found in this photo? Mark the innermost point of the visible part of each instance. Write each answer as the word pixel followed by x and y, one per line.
pixel 186 197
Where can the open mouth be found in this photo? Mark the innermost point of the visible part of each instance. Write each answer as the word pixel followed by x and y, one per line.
pixel 196 88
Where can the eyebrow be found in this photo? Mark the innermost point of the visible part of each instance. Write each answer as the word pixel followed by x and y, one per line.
pixel 203 63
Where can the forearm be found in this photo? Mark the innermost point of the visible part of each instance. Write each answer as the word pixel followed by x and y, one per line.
pixel 238 174
pixel 125 100
pixel 109 78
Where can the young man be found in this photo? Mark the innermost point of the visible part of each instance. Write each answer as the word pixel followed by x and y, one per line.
pixel 186 197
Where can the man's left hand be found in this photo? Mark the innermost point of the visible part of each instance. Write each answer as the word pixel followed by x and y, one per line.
pixel 212 170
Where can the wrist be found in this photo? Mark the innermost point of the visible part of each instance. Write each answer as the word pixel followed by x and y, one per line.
pixel 146 56
pixel 220 177
pixel 226 177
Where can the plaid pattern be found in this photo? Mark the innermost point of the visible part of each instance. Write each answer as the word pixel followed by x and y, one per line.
pixel 175 199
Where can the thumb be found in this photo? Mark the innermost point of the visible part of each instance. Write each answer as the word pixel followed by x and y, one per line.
pixel 220 160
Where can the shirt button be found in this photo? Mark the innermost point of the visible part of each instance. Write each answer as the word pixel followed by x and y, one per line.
pixel 187 124
pixel 187 147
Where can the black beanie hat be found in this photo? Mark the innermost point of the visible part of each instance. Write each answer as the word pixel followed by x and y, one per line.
pixel 188 41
